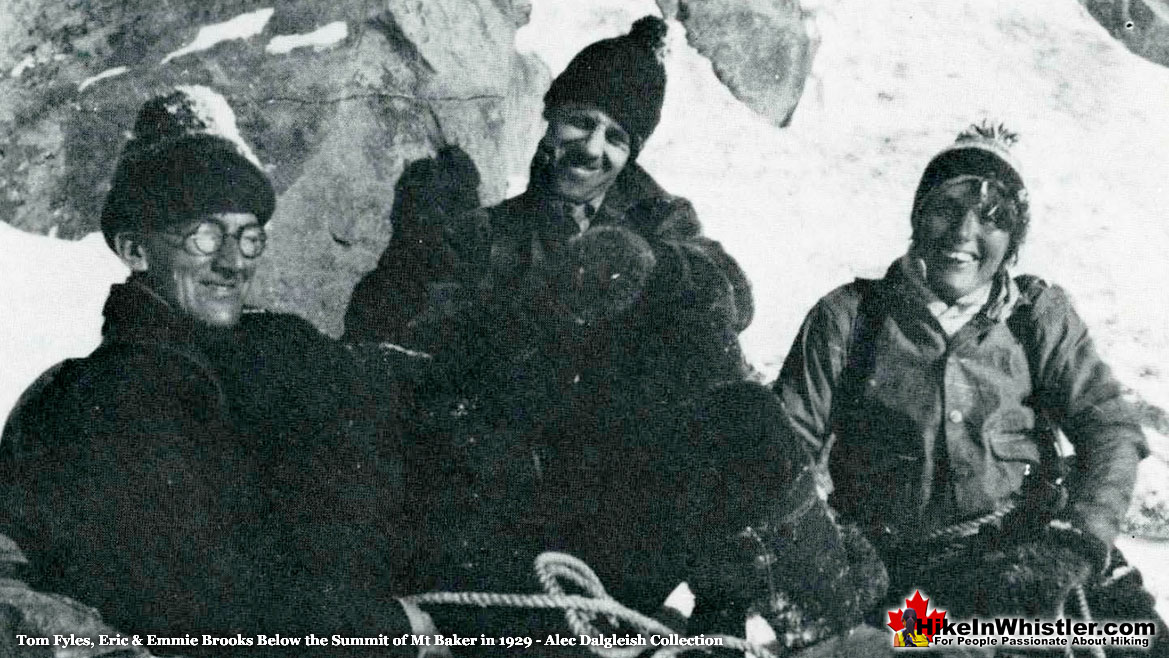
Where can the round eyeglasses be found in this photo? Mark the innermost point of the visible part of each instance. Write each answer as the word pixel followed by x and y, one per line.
pixel 206 239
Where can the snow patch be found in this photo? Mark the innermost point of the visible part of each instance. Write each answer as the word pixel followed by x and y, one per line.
pixel 24 64
pixel 243 26
pixel 108 73
pixel 52 298
pixel 319 39
pixel 217 116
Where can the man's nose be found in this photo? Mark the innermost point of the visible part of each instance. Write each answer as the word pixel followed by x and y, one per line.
pixel 229 258
pixel 594 145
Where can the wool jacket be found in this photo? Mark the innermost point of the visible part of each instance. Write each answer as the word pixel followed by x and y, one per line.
pixel 630 441
pixel 938 429
pixel 187 481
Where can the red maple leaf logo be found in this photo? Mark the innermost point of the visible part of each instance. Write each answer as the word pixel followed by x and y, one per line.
pixel 919 605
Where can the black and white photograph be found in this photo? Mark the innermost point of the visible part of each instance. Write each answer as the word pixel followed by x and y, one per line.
pixel 584 328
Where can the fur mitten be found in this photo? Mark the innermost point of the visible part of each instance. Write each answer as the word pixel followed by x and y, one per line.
pixel 1028 578
pixel 601 274
pixel 771 545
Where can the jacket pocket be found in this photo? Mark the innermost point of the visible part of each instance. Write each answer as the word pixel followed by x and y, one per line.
pixel 1015 446
pixel 1016 454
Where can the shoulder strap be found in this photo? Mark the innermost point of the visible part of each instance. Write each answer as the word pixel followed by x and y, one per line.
pixel 1022 322
pixel 860 356
pixel 1023 325
pixel 860 353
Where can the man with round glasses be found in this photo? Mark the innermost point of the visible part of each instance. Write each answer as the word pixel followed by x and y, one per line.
pixel 205 470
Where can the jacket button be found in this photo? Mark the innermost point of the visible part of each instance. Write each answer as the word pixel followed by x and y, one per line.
pixel 955 416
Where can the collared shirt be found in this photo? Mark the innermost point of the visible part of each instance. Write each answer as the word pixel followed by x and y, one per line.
pixel 583 213
pixel 951 317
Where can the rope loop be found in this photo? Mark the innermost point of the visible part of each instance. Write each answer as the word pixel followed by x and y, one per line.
pixel 582 610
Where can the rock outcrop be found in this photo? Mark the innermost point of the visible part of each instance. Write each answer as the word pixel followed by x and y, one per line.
pixel 761 49
pixel 337 98
pixel 1141 25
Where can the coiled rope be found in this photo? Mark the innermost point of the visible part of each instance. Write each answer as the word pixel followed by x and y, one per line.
pixel 580 610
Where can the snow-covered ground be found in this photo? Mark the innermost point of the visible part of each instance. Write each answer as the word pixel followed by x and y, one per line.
pixel 810 207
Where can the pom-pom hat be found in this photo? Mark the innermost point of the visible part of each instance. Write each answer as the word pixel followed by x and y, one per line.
pixel 624 77
pixel 981 150
pixel 185 158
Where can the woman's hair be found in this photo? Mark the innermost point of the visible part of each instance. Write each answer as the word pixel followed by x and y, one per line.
pixel 909 613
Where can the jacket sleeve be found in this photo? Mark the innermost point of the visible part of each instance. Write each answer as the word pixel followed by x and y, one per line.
pixel 86 498
pixel 693 270
pixel 1077 391
pixel 812 371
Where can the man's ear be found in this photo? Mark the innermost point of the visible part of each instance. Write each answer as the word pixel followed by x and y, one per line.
pixel 131 248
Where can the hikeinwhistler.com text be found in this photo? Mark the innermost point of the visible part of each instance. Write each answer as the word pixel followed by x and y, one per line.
pixel 1019 632
pixel 261 641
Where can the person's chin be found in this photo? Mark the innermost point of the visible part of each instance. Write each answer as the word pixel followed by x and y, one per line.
pixel 577 189
pixel 219 314
pixel 953 287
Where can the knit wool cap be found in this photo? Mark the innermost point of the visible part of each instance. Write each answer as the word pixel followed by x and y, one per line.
pixel 625 77
pixel 980 150
pixel 185 158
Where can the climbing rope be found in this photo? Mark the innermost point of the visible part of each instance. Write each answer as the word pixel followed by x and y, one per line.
pixel 966 529
pixel 970 527
pixel 582 610
pixel 1082 601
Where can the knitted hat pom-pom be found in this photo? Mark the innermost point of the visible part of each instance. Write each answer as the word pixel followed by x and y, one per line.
pixel 649 31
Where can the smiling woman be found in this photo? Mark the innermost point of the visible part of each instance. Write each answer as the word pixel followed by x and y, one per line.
pixel 959 242
pixel 970 213
pixel 952 374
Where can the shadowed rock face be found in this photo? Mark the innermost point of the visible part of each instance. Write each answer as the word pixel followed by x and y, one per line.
pixel 761 49
pixel 1141 25
pixel 335 123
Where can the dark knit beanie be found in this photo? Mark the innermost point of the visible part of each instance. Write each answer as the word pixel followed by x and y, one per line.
pixel 185 158
pixel 623 76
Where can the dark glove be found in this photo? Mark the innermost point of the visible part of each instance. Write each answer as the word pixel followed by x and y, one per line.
pixel 1027 578
pixel 806 576
pixel 1081 542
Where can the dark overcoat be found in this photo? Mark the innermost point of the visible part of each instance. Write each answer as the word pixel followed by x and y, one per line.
pixel 187 481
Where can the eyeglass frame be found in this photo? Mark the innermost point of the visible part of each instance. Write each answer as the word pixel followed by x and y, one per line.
pixel 189 243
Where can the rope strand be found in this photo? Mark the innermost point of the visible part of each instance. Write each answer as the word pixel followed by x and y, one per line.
pixel 580 610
